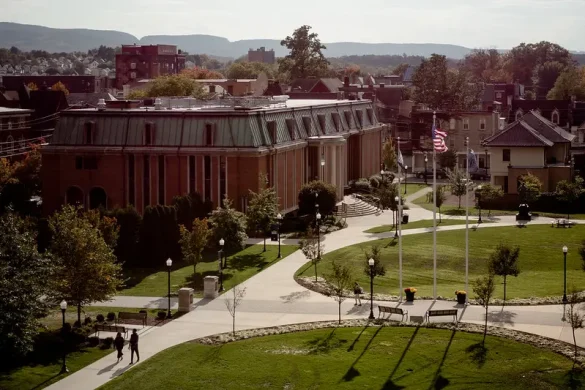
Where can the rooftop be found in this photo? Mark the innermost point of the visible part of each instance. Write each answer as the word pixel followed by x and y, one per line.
pixel 8 110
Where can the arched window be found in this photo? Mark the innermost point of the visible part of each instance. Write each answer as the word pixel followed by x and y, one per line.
pixel 98 198
pixel 519 114
pixel 74 196
pixel 10 144
pixel 555 117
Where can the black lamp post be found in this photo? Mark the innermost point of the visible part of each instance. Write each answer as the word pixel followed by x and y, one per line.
pixel 396 201
pixel 371 263
pixel 323 167
pixel 479 202
pixel 220 265
pixel 486 162
pixel 64 369
pixel 169 265
pixel 565 250
pixel 279 219
pixel 426 161
pixel 405 178
pixel 318 216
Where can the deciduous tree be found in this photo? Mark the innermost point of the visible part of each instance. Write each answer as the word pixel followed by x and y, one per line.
pixel 458 182
pixel 175 85
pixel 306 56
pixel 262 209
pixel 504 262
pixel 389 155
pixel 339 281
pixel 484 289
pixel 232 301
pixel 59 86
pixel 198 73
pixel 569 192
pixel 375 252
pixel 326 199
pixel 575 318
pixel 490 193
pixel 229 224
pixel 250 70
pixel 312 248
pixel 569 83
pixel 530 187
pixel 194 242
pixel 448 159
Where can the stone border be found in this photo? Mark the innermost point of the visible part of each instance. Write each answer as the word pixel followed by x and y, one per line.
pixel 557 346
pixel 320 286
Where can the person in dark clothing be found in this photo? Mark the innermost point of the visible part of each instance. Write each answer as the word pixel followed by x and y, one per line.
pixel 119 344
pixel 134 347
pixel 357 291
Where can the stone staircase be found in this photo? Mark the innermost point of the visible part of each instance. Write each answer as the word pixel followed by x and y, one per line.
pixel 358 208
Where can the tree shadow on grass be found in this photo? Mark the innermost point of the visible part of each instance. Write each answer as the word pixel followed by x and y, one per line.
pixel 440 381
pixel 501 317
pixel 353 372
pixel 352 346
pixel 389 384
pixel 242 262
pixel 196 281
pixel 43 384
pixel 574 379
pixel 478 354
pixel 321 345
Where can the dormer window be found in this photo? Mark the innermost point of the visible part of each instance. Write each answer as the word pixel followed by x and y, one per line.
pixel 307 123
pixel 322 123
pixel 209 134
pixel 519 114
pixel 348 118
pixel 360 116
pixel 290 125
pixel 336 121
pixel 271 125
pixel 370 113
pixel 555 117
pixel 88 133
pixel 148 133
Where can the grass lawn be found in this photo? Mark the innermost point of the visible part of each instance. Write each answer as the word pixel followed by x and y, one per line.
pixel 411 188
pixel 541 260
pixel 353 358
pixel 426 223
pixel 241 266
pixel 42 375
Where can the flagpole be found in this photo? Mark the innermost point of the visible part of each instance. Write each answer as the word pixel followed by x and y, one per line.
pixel 399 222
pixel 434 211
pixel 467 216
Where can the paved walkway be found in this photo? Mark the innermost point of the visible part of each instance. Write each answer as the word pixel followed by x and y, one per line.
pixel 274 298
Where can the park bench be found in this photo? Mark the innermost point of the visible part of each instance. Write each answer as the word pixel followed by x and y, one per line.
pixel 441 313
pixel 133 316
pixel 110 328
pixel 390 311
pixel 564 223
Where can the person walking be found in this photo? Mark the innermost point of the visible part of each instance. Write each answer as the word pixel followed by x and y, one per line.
pixel 119 344
pixel 357 290
pixel 134 347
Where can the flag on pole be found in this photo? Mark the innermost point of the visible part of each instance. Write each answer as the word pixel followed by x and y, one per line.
pixel 472 159
pixel 400 159
pixel 439 140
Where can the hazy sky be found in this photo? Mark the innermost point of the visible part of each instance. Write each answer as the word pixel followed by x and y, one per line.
pixel 471 23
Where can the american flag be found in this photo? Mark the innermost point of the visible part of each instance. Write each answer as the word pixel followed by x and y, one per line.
pixel 439 140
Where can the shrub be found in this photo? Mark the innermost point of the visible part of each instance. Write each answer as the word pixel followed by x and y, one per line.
pixel 100 318
pixel 77 324
pixel 363 185
pixel 66 328
pixel 107 344
pixel 111 316
pixel 326 200
pixel 93 341
pixel 87 321
pixel 161 315
pixel 375 181
pixel 143 312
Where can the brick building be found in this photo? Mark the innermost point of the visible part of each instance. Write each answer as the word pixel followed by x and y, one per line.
pixel 262 55
pixel 115 156
pixel 147 62
pixel 14 130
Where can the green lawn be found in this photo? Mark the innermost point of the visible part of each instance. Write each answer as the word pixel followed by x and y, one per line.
pixel 411 188
pixel 426 223
pixel 241 266
pixel 354 358
pixel 541 260
pixel 42 375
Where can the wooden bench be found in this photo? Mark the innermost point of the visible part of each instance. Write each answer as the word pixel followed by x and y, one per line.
pixel 110 328
pixel 564 223
pixel 392 310
pixel 133 316
pixel 441 313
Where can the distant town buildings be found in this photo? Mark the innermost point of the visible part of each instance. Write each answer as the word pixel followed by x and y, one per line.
pixel 262 55
pixel 137 62
pixel 74 84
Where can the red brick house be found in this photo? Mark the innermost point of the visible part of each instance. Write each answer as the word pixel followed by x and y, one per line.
pixel 145 156
pixel 147 62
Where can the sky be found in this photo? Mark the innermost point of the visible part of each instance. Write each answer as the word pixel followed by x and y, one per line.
pixel 472 23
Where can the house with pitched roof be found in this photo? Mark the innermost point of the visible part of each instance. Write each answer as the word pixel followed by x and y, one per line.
pixel 531 144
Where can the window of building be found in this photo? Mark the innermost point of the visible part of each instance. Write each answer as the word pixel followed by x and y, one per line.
pixel 208 134
pixel 161 180
pixel 348 118
pixel 482 124
pixel 498 95
pixel 555 117
pixel 230 90
pixel 452 124
pixel 322 123
pixel 506 155
pixel 207 176
pixel 222 179
pixel 78 163
pixel 336 121
pixel 131 180
pixel 290 125
pixel 86 162
pixel 98 198
pixel 88 133
pixel 132 75
pixel 10 142
pixel 271 126
pixel 212 89
pixel 133 65
pixel 148 133
pixel 192 175
pixel 146 181
pixel 370 113
pixel 308 124
pixel 465 123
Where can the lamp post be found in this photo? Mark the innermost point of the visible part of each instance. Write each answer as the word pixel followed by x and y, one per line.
pixel 279 219
pixel 426 161
pixel 565 250
pixel 323 167
pixel 318 216
pixel 169 265
pixel 405 177
pixel 64 369
pixel 478 202
pixel 223 255
pixel 486 162
pixel 397 202
pixel 220 265
pixel 371 263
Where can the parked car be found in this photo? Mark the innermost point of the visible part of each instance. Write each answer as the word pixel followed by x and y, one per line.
pixel 479 174
pixel 441 173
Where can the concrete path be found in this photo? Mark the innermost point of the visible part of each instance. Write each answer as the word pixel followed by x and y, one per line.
pixel 274 298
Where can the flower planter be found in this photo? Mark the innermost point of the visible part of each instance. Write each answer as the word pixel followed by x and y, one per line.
pixel 461 298
pixel 409 296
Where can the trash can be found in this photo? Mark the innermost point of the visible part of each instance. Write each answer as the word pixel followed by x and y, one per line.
pixel 404 218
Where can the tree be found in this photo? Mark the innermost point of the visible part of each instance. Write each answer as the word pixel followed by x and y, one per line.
pixel 229 224
pixel 250 70
pixel 326 199
pixel 107 226
pixel 389 155
pixel 262 209
pixel 159 236
pixel 485 66
pixel 193 242
pixel 569 83
pixel 79 67
pixel 484 289
pixel 529 189
pixel 32 86
pixel 312 248
pixel 375 253
pixel 490 193
pixel 59 86
pixel 448 159
pixel 504 262
pixel 20 181
pixel 25 295
pixel 129 222
pixel 339 282
pixel 569 192
pixel 545 77
pixel 430 81
pixel 191 206
pixel 575 317
pixel 387 195
pixel 198 73
pixel 306 57
pixel 232 303
pixel 52 71
pixel 582 254
pixel 175 85
pixel 86 266
pixel 400 69
pixel 458 182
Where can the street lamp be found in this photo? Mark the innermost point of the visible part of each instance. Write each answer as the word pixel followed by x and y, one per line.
pixel 323 167
pixel 64 369
pixel 371 263
pixel 405 177
pixel 279 218
pixel 486 165
pixel 220 266
pixel 221 244
pixel 318 236
pixel 169 265
pixel 426 161
pixel 397 201
pixel 565 250
pixel 478 202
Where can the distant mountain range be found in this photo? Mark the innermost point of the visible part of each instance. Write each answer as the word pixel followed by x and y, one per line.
pixel 30 37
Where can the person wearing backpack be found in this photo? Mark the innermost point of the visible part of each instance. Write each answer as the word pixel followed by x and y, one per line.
pixel 357 290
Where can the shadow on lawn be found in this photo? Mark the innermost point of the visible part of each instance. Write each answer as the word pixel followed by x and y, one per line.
pixel 325 345
pixel 352 372
pixel 439 381
pixel 478 354
pixel 242 262
pixel 390 385
pixel 501 317
pixel 196 281
pixel 574 379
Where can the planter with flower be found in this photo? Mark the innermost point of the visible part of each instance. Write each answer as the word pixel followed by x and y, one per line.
pixel 410 291
pixel 461 296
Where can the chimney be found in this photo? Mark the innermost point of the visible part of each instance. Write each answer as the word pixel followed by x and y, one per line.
pixel 346 81
pixel 101 105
